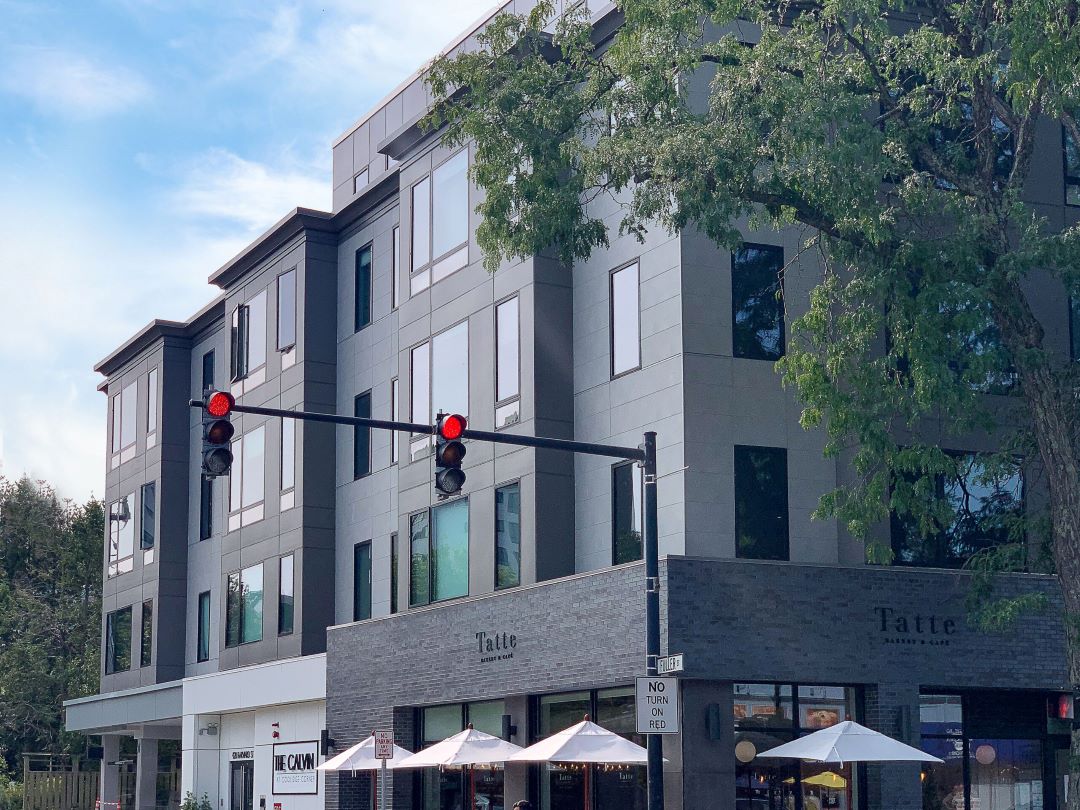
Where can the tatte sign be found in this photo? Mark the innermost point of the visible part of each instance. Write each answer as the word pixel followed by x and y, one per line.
pixel 294 768
pixel 657 705
pixel 384 745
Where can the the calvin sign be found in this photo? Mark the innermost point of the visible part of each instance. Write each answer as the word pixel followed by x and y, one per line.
pixel 294 768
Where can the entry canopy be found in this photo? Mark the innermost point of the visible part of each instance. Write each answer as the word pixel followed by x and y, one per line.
pixel 361 757
pixel 848 742
pixel 469 747
pixel 584 742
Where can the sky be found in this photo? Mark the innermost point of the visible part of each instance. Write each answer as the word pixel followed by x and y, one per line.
pixel 143 143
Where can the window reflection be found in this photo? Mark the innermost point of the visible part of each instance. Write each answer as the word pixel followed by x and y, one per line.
pixel 757 306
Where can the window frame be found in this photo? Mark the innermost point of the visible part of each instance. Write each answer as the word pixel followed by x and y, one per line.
pixel 782 453
pixel 210 357
pixel 423 440
pixel 111 620
pixel 395 267
pixel 637 481
pixel 359 610
pixel 362 437
pixel 283 628
pixel 395 562
pixel 202 628
pixel 429 512
pixel 1073 315
pixel 151 487
pixel 243 375
pixel 287 463
pixel 394 408
pixel 424 274
pixel 117 565
pixel 122 452
pixel 244 514
pixel 1069 180
pixel 206 507
pixel 152 407
pixel 286 347
pixel 505 414
pixel 781 313
pixel 146 635
pixel 232 604
pixel 635 263
pixel 363 305
pixel 516 483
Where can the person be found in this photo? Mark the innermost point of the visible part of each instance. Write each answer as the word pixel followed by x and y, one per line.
pixel 524 804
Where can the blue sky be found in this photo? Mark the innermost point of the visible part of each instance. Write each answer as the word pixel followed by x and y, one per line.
pixel 142 144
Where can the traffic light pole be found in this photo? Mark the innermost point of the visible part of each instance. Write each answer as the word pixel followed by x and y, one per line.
pixel 645 455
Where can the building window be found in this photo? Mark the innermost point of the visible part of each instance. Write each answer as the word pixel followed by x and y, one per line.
pixel 288 460
pixel 767 715
pixel 362 308
pixel 208 371
pixel 206 507
pixel 1074 327
pixel 757 308
pixel 985 508
pixel 360 181
pixel 286 316
pixel 394 416
pixel 439 552
pixel 420 390
pixel 249 340
pixel 202 652
pixel 362 437
pixel 508 536
pixel 448 787
pixel 1072 168
pixel 286 591
pixel 148 519
pixel 146 643
pixel 151 408
pixel 626 504
pixel 246 479
pixel 440 223
pixel 244 606
pixel 362 581
pixel 394 573
pixel 121 537
pixel 123 424
pixel 761 503
pixel 450 371
pixel 507 363
pixel 625 321
pixel 395 270
pixel 118 641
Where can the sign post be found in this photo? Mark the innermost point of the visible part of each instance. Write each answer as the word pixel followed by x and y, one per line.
pixel 384 750
pixel 657 705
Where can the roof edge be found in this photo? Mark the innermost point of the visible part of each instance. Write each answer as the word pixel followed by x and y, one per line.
pixel 276 235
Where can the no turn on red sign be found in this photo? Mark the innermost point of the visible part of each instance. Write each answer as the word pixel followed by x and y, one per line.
pixel 657 705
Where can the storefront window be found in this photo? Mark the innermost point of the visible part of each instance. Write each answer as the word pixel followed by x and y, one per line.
pixel 768 715
pixel 449 788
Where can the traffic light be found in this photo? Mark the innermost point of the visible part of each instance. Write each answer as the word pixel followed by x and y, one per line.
pixel 449 452
pixel 218 430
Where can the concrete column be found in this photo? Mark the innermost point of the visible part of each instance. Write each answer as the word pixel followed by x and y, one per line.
pixel 516 777
pixel 701 759
pixel 109 785
pixel 146 769
pixel 893 709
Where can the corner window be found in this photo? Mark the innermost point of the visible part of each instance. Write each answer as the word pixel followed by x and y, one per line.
pixel 248 338
pixel 246 479
pixel 362 437
pixel 286 317
pixel 439 553
pixel 626 505
pixel 1072 168
pixel 440 223
pixel 151 408
pixel 288 462
pixel 362 581
pixel 508 536
pixel 244 606
pixel 286 590
pixel 362 289
pixel 148 519
pixel 121 536
pixel 757 309
pixel 118 641
pixel 123 424
pixel 985 507
pixel 761 503
pixel 625 321
pixel 202 650
pixel 507 363
pixel 146 642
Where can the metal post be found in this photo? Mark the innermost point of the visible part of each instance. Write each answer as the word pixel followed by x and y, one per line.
pixel 652 614
pixel 382 786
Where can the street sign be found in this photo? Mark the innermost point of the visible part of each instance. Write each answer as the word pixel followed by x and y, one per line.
pixel 384 745
pixel 657 705
pixel 670 664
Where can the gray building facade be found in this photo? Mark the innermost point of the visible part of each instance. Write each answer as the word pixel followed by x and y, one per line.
pixel 322 585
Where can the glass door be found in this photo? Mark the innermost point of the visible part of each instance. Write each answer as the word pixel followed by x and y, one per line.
pixel 242 785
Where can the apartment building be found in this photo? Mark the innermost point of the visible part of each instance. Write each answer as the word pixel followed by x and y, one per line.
pixel 322 590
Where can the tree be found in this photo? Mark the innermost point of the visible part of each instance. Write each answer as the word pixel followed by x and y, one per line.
pixel 899 138
pixel 50 615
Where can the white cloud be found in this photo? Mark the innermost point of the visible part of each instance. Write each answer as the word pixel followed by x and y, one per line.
pixel 70 84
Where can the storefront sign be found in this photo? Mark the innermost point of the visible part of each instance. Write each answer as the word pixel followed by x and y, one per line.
pixel 242 755
pixel 901 627
pixel 657 705
pixel 497 646
pixel 294 768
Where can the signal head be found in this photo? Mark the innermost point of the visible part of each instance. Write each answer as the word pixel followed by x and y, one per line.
pixel 220 404
pixel 451 427
pixel 217 461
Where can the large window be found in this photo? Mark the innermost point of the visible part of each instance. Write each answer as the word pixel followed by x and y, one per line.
pixel 244 606
pixel 984 507
pixel 767 715
pixel 148 519
pixel 286 316
pixel 440 377
pixel 123 424
pixel 146 640
pixel 121 536
pixel 508 536
pixel 507 363
pixel 202 642
pixel 362 437
pixel 440 223
pixel 1072 168
pixel 562 787
pixel 248 337
pixel 626 503
pixel 286 593
pixel 246 479
pixel 118 641
pixel 439 553
pixel 757 309
pixel 625 321
pixel 362 291
pixel 288 462
pixel 761 503
pixel 151 408
pixel 362 581
pixel 447 787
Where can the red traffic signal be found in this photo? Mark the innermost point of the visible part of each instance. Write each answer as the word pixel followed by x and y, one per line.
pixel 451 427
pixel 449 453
pixel 218 431
pixel 219 404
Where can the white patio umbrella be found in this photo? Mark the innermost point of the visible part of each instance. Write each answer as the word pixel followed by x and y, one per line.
pixel 849 742
pixel 361 757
